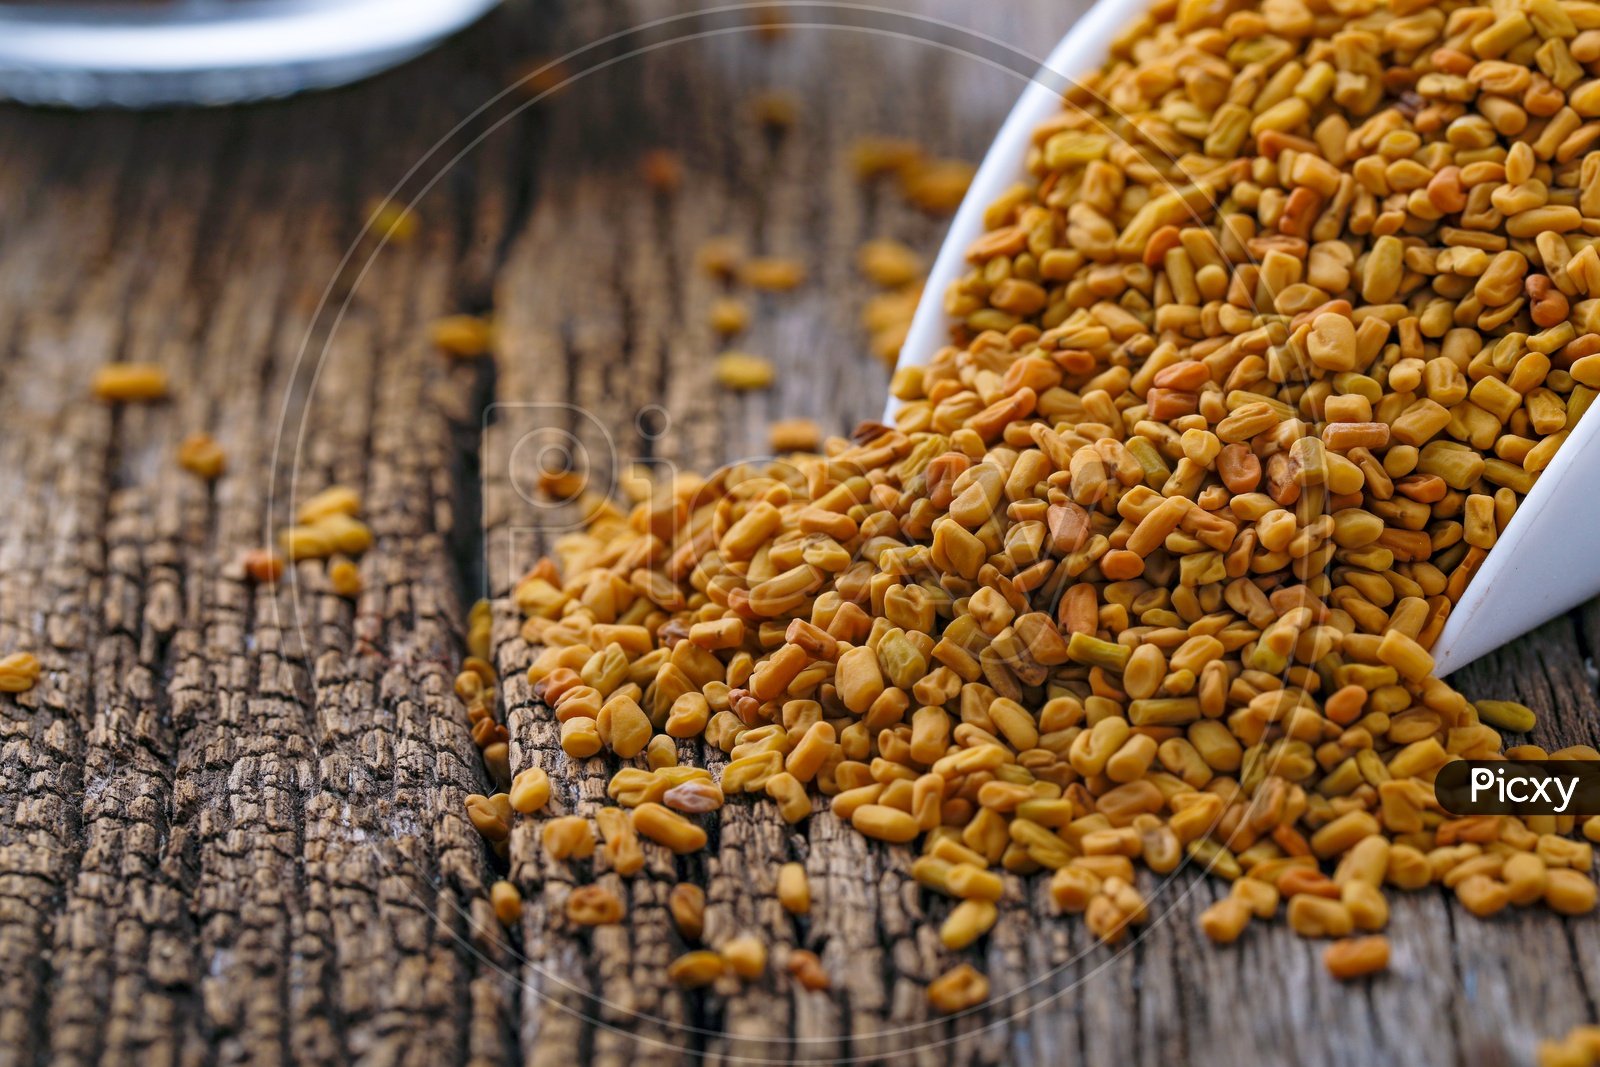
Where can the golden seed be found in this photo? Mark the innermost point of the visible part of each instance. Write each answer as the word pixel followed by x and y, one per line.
pixel 462 336
pixel 742 371
pixel 728 315
pixel 344 577
pixel 200 455
pixel 391 220
pixel 130 383
pixel 507 902
pixel 745 956
pixel 773 273
pixel 794 889
pixel 958 989
pixel 593 905
pixel 888 263
pixel 661 170
pixel 695 969
pixel 794 435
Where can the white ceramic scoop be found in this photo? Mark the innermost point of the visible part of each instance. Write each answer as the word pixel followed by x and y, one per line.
pixel 1548 558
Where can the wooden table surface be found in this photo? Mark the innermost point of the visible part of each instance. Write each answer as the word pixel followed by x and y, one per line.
pixel 232 824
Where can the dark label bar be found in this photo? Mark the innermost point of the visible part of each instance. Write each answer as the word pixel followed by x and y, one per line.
pixel 1519 787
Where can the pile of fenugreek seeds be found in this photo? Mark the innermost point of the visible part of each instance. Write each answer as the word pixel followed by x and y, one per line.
pixel 1296 306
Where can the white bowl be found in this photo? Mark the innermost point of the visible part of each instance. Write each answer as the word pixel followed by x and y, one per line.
pixel 1548 558
pixel 210 51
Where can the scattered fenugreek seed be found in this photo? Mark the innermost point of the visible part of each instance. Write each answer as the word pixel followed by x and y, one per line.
pixel 794 888
pixel 808 971
pixel 344 577
pixel 774 273
pixel 729 315
pixel 687 905
pixel 130 383
pixel 746 956
pixel 1353 957
pixel 888 263
pixel 958 989
pixel 19 672
pixel 593 905
pixel 200 455
pixel 794 435
pixel 695 969
pixel 662 170
pixel 392 220
pixel 742 371
pixel 463 336
pixel 507 902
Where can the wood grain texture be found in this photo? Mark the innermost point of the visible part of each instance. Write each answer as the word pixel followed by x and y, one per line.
pixel 233 830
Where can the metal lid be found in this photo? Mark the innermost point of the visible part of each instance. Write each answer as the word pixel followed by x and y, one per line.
pixel 188 52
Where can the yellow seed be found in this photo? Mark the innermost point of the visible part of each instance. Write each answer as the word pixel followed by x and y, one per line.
pixel 968 921
pixel 391 221
pixel 19 672
pixel 530 790
pixel 1354 957
pixel 888 263
pixel 794 435
pixel 568 837
pixel 687 905
pixel 772 273
pixel 667 827
pixel 745 956
pixel 507 902
pixel 130 383
pixel 593 905
pixel 463 336
pixel 695 969
pixel 794 889
pixel 958 989
pixel 200 455
pixel 344 577
pixel 728 316
pixel 742 371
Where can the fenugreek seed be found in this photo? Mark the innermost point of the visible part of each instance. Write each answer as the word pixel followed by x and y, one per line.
pixel 968 921
pixel 1506 715
pixel 807 970
pixel 130 383
pixel 745 956
pixel 687 905
pixel 958 989
pixel 200 455
pixel 462 336
pixel 263 566
pixel 794 889
pixel 888 263
pixel 794 435
pixel 19 672
pixel 344 577
pixel 695 969
pixel 661 170
pixel 507 903
pixel 1570 892
pixel 938 186
pixel 1353 957
pixel 741 371
pixel 772 273
pixel 530 791
pixel 568 837
pixel 728 316
pixel 593 905
pixel 1225 920
pixel 489 816
pixel 391 221
pixel 667 827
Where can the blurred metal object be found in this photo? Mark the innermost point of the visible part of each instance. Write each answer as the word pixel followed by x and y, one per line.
pixel 198 52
